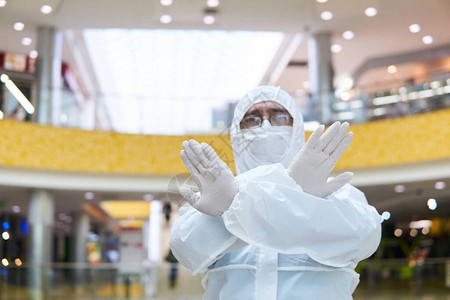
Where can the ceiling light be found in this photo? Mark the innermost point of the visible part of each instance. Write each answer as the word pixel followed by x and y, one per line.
pixel 392 69
pixel 89 196
pixel 414 28
pixel 399 188
pixel 398 232
pixel 5 235
pixel 212 3
pixel 33 54
pixel 413 232
pixel 19 26
pixel 420 224
pixel 10 85
pixel 348 35
pixel 148 197
pixel 306 84
pixel 208 20
pixel 46 9
pixel 336 48
pixel 5 262
pixel 371 11
pixel 166 2
pixel 428 39
pixel 326 15
pixel 432 204
pixel 18 262
pixel 425 230
pixel 15 209
pixel 4 78
pixel 440 185
pixel 26 41
pixel 165 19
pixel 2 3
pixel 322 1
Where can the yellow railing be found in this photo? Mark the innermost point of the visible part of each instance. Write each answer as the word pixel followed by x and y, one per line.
pixel 411 139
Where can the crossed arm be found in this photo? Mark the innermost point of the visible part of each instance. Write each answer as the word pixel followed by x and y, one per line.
pixel 290 211
pixel 309 169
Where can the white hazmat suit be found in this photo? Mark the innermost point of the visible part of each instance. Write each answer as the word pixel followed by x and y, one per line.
pixel 276 241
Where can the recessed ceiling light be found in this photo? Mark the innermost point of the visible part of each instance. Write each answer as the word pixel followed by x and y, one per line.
pixel 46 9
pixel 326 15
pixel 26 41
pixel 166 2
pixel 322 1
pixel 148 197
pixel 428 39
pixel 5 235
pixel 399 188
pixel 392 69
pixel 165 19
pixel 2 3
pixel 348 35
pixel 208 20
pixel 398 232
pixel 19 26
pixel 371 11
pixel 336 48
pixel 212 3
pixel 89 196
pixel 15 209
pixel 439 185
pixel 5 262
pixel 414 28
pixel 33 54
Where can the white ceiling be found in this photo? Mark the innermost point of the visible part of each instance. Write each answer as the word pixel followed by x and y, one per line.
pixel 384 34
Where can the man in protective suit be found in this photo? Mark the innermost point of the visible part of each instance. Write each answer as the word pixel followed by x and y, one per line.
pixel 280 229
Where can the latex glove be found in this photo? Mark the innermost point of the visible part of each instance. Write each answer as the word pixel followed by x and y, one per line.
pixel 213 177
pixel 315 161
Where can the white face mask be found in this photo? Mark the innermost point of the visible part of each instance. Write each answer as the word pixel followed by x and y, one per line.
pixel 268 144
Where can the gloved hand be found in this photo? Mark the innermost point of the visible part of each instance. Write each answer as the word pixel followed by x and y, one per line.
pixel 313 164
pixel 213 177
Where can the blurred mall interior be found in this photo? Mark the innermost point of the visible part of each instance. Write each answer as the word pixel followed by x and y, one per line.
pixel 96 97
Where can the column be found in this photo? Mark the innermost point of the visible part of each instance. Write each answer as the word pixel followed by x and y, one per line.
pixel 80 232
pixel 40 218
pixel 48 75
pixel 321 75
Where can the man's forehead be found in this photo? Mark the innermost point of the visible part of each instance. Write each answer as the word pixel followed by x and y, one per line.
pixel 265 106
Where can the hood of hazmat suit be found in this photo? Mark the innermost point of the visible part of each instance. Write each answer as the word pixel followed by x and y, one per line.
pixel 244 140
pixel 276 242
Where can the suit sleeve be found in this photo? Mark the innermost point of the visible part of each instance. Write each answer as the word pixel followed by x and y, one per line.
pixel 198 240
pixel 271 211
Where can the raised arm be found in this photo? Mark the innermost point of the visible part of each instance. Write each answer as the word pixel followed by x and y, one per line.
pixel 272 211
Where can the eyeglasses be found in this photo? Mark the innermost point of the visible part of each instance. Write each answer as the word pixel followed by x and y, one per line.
pixel 279 119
